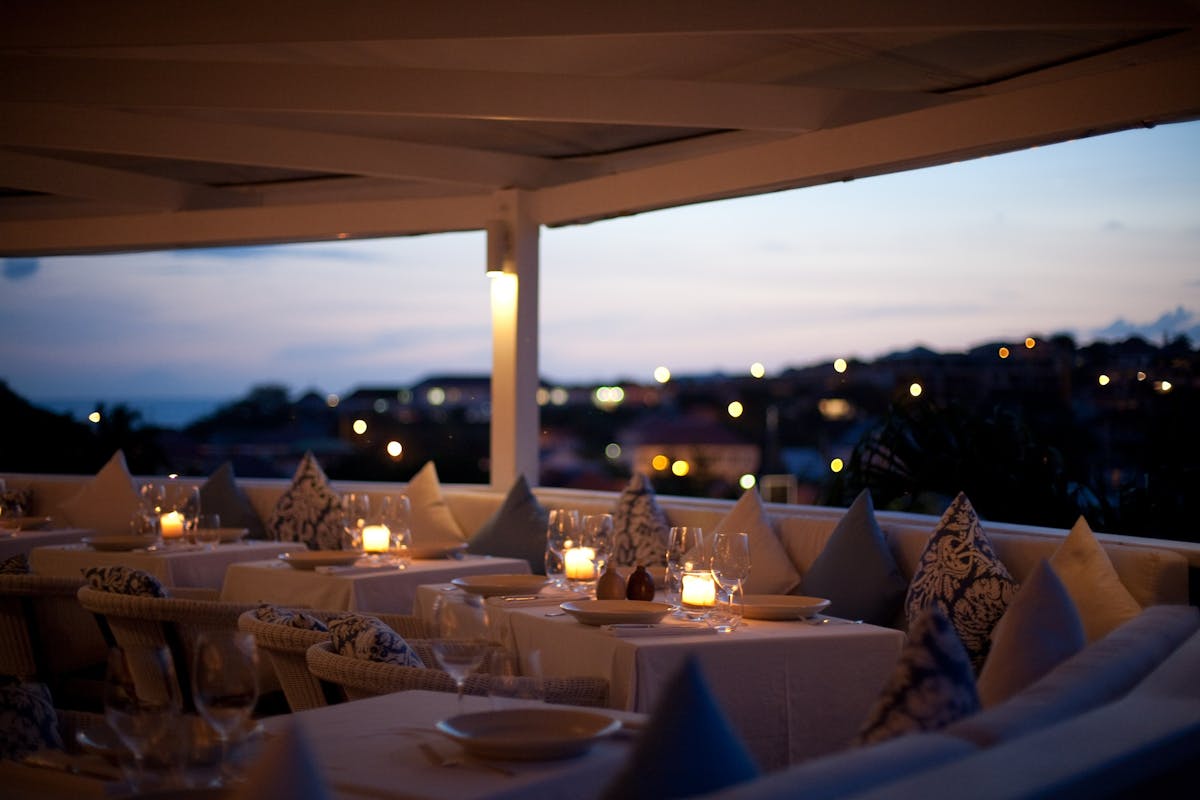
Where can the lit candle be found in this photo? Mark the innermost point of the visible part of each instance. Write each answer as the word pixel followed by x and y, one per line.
pixel 699 590
pixel 171 525
pixel 579 565
pixel 376 538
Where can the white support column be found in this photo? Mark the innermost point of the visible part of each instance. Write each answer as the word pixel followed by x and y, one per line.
pixel 515 420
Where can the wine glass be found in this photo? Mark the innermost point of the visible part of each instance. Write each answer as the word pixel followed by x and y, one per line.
pixel 457 647
pixel 598 535
pixel 562 532
pixel 684 554
pixel 356 509
pixel 141 701
pixel 395 512
pixel 505 681
pixel 225 683
pixel 730 569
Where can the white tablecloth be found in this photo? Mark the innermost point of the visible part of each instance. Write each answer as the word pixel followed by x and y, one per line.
pixel 368 749
pixel 390 591
pixel 474 621
pixel 15 542
pixel 793 690
pixel 176 565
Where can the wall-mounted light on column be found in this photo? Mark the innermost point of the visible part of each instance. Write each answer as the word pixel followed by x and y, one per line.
pixel 499 247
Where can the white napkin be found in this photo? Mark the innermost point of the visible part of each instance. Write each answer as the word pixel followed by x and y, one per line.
pixel 633 630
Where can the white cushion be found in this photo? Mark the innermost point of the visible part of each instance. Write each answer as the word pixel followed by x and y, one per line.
pixel 771 571
pixel 105 504
pixel 432 521
pixel 1085 569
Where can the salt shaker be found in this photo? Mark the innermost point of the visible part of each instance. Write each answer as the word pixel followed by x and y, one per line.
pixel 611 585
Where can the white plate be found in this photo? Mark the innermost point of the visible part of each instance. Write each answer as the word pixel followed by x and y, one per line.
pixel 781 606
pixel 311 559
pixel 231 534
pixel 497 585
pixel 25 523
pixel 418 551
pixel 528 734
pixel 118 542
pixel 614 612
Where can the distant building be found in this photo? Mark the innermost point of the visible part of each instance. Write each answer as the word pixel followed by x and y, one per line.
pixel 705 446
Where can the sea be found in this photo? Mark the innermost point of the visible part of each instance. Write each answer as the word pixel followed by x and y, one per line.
pixel 162 412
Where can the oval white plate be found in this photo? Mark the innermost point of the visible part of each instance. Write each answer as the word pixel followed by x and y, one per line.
pixel 781 606
pixel 497 585
pixel 117 542
pixel 311 559
pixel 528 734
pixel 418 551
pixel 614 612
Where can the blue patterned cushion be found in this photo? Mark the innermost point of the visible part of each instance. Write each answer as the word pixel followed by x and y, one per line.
pixel 288 617
pixel 855 570
pixel 688 747
pixel 15 565
pixel 221 495
pixel 640 526
pixel 16 502
pixel 27 720
pixel 361 636
pixel 309 511
pixel 960 573
pixel 516 530
pixel 933 685
pixel 124 580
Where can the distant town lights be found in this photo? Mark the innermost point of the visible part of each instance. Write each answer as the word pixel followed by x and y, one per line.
pixel 837 465
pixel 747 481
pixel 757 370
pixel 839 365
pixel 359 426
pixel 1141 376
pixel 735 409
pixel 559 396
pixel 612 451
pixel 94 417
pixel 1163 386
pixel 332 400
pixel 435 396
pixel 680 468
pixel 915 389
pixel 660 462
pixel 1030 343
pixel 662 374
pixel 1004 353
pixel 395 449
pixel 1103 380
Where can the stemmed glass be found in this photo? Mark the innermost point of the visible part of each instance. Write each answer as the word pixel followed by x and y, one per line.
pixel 457 648
pixel 730 569
pixel 395 512
pixel 151 499
pixel 141 700
pixel 356 509
pixel 225 683
pixel 685 553
pixel 562 532
pixel 598 535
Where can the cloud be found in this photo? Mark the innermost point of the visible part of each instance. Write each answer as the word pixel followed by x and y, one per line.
pixel 16 269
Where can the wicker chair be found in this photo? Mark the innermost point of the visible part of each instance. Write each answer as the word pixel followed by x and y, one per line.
pixel 361 678
pixel 139 621
pixel 46 636
pixel 286 647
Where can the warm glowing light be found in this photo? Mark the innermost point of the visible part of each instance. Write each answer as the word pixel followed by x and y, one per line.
pixel 1103 380
pixel 436 396
pixel 612 451
pixel 915 389
pixel 394 449
pixel 662 374
pixel 681 468
pixel 608 396
pixel 543 396
pixel 757 370
pixel 660 462
pixel 94 416
pixel 376 538
pixel 835 408
pixel 359 426
pixel 1164 386
pixel 837 465
pixel 1004 352
pixel 839 365
pixel 698 589
pixel 579 564
pixel 1030 343
pixel 559 396
pixel 380 405
pixel 332 400
pixel 171 525
pixel 735 409
pixel 747 481
pixel 1141 376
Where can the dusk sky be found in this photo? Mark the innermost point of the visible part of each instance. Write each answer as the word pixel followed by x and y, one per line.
pixel 1067 238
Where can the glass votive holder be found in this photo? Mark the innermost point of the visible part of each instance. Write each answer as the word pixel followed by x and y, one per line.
pixel 579 568
pixel 697 595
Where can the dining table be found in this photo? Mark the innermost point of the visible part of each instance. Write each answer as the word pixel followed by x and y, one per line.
pixel 367 585
pixel 793 689
pixel 174 564
pixel 17 542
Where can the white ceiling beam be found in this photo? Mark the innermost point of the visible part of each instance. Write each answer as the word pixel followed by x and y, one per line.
pixel 131 23
pixel 265 225
pixel 981 126
pixel 107 131
pixel 72 179
pixel 442 93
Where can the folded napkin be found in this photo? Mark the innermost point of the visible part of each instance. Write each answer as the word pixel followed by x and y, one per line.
pixel 628 630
